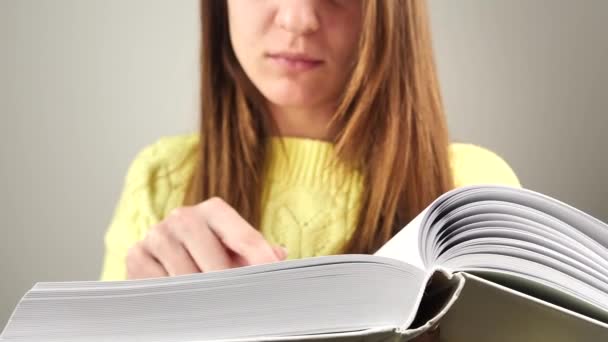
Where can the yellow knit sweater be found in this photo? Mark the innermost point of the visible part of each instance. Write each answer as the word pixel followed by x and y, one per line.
pixel 307 207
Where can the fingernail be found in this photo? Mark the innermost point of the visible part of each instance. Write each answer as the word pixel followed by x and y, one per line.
pixel 285 251
pixel 281 252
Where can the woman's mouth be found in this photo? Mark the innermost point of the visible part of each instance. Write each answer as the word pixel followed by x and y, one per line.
pixel 294 61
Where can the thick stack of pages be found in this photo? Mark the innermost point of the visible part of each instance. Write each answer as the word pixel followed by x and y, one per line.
pixel 481 252
pixel 310 296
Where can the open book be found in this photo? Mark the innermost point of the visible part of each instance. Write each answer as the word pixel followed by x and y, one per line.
pixel 482 261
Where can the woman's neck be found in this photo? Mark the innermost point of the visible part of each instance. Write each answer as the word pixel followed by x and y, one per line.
pixel 311 123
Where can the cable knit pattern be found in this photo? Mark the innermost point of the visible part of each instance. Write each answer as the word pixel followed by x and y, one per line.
pixel 309 203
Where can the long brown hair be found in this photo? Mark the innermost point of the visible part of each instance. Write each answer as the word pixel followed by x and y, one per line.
pixel 389 124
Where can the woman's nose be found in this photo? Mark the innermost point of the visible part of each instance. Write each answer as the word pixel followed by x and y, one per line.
pixel 298 17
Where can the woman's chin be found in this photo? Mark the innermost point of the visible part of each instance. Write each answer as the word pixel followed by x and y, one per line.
pixel 293 100
pixel 292 104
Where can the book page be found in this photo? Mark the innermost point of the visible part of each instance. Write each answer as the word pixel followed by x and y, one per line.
pixel 524 236
pixel 404 245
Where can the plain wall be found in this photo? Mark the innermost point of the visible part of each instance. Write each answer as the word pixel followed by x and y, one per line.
pixel 85 84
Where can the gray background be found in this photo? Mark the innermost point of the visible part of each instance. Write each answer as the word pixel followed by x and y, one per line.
pixel 85 84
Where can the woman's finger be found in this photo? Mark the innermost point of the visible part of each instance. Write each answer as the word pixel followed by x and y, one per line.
pixel 141 264
pixel 169 251
pixel 280 252
pixel 235 232
pixel 206 249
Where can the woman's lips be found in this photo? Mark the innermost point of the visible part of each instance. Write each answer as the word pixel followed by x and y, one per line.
pixel 294 62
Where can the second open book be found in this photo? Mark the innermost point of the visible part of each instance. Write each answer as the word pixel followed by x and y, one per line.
pixel 475 253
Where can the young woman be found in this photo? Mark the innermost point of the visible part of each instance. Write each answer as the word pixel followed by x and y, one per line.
pixel 322 132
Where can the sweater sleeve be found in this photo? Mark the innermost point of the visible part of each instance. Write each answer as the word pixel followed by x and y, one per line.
pixel 140 206
pixel 472 165
pixel 155 183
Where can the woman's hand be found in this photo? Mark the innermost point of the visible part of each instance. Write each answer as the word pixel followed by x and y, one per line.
pixel 207 237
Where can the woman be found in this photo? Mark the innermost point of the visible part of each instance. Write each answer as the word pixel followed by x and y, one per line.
pixel 322 132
